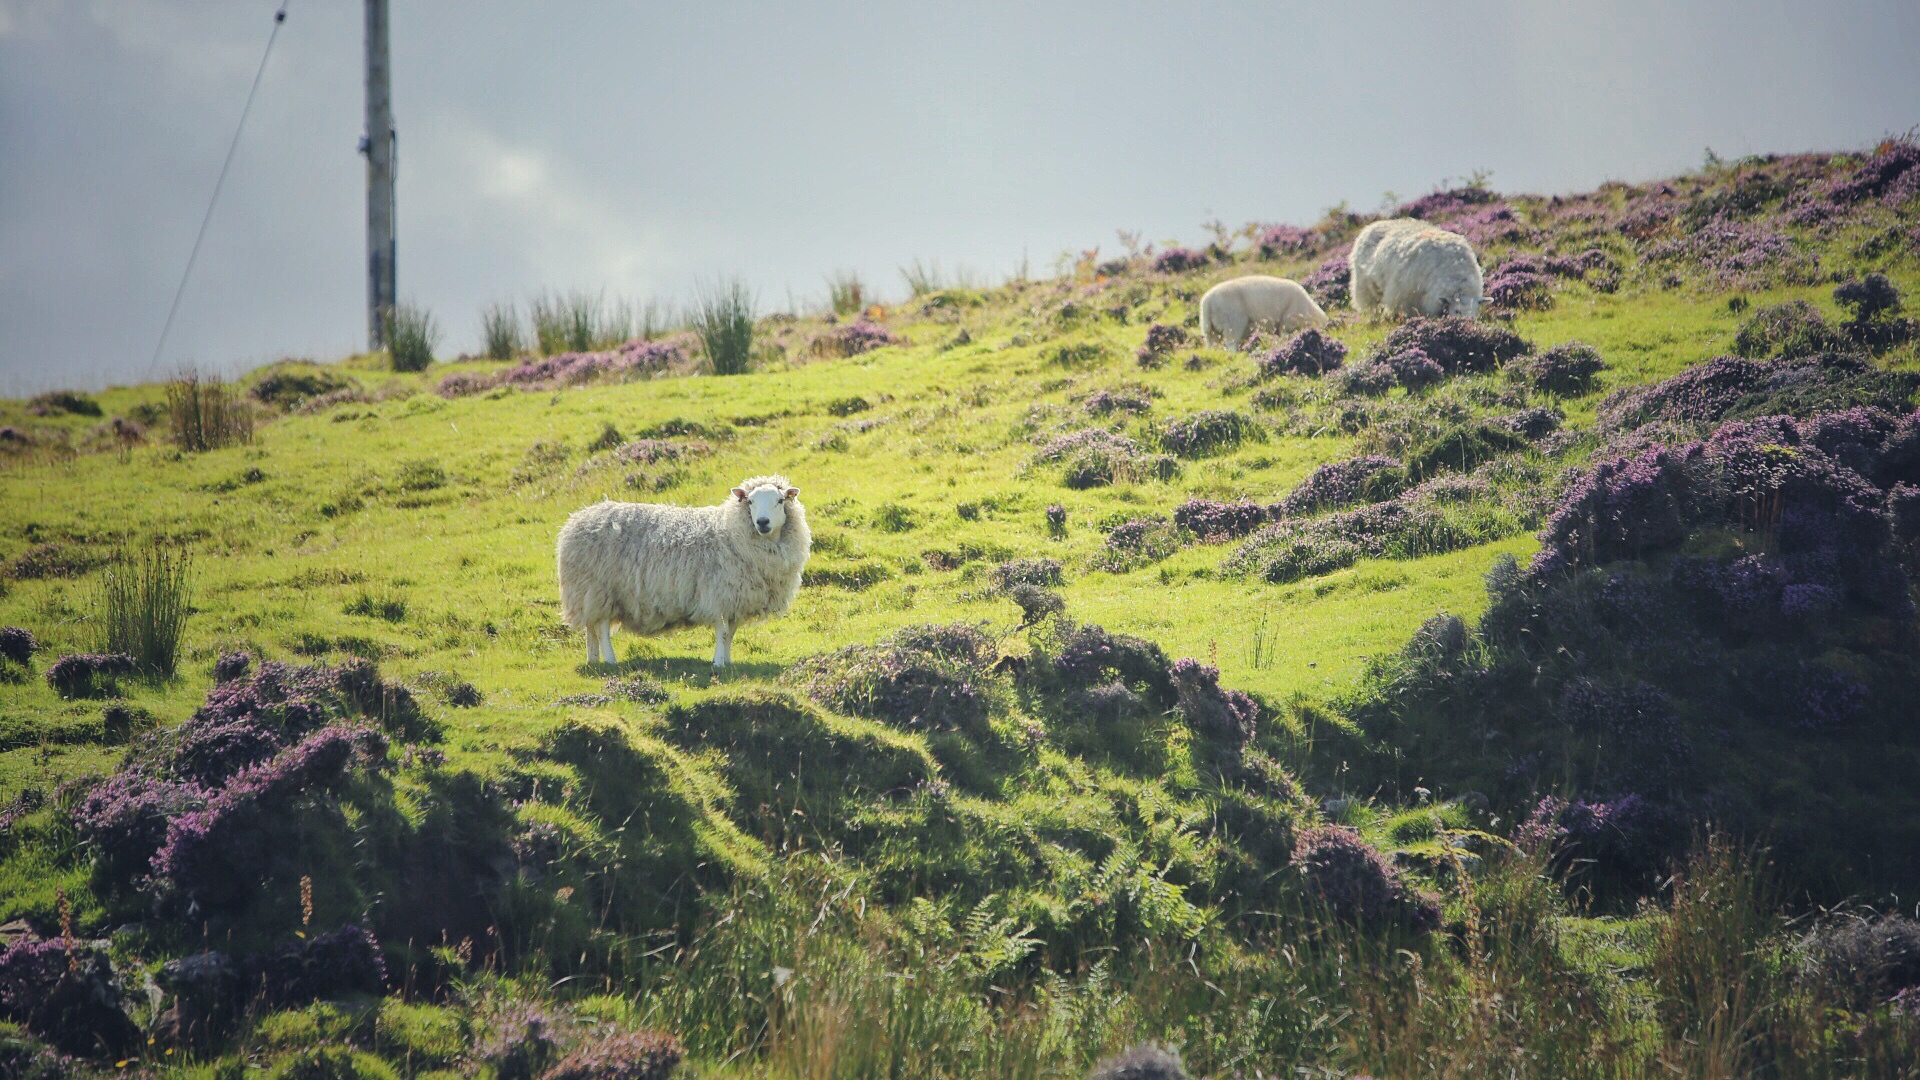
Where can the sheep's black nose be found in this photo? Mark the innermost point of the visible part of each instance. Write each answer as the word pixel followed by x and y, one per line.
pixel 764 524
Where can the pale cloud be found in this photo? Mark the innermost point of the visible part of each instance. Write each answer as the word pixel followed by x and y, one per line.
pixel 550 217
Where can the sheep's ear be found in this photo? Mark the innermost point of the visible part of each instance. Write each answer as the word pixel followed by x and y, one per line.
pixel 740 493
pixel 792 492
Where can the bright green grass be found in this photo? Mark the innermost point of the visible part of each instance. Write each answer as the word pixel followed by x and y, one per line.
pixel 281 560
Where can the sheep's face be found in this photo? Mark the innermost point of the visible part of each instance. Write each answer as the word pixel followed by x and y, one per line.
pixel 767 508
pixel 1467 307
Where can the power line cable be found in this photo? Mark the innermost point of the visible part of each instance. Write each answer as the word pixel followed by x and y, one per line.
pixel 279 17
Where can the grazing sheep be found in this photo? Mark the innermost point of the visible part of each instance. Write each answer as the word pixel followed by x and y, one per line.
pixel 1404 266
pixel 651 567
pixel 1232 309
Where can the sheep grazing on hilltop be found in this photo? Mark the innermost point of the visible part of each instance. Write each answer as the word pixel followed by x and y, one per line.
pixel 652 568
pixel 1404 266
pixel 1233 309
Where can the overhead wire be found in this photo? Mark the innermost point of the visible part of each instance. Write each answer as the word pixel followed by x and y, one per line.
pixel 279 19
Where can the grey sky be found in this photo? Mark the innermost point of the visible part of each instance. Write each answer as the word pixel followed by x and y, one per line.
pixel 637 148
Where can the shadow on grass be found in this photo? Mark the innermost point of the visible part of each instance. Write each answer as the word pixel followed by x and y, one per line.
pixel 688 670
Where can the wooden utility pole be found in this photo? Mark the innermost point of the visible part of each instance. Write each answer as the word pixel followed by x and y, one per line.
pixel 380 146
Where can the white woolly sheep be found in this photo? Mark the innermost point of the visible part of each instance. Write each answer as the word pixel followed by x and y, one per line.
pixel 652 567
pixel 1404 266
pixel 1232 309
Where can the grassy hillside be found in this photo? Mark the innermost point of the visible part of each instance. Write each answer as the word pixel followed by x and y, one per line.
pixel 1011 843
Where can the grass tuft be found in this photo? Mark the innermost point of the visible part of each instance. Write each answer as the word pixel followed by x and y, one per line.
pixel 412 335
pixel 204 413
pixel 723 317
pixel 144 602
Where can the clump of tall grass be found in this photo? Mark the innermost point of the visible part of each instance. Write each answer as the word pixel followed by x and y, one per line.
pixel 204 413
pixel 412 335
pixel 500 329
pixel 723 317
pixel 569 323
pixel 144 601
pixel 846 293
pixel 923 278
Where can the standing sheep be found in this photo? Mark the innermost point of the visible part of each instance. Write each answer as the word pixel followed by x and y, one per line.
pixel 1232 309
pixel 1404 266
pixel 652 567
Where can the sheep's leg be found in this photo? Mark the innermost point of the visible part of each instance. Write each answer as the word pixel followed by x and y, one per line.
pixel 606 644
pixel 593 644
pixel 722 645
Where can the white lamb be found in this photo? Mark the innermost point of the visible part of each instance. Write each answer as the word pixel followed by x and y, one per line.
pixel 652 567
pixel 1404 266
pixel 1232 309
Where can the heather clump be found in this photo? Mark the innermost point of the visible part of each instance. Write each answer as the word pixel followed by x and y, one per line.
pixel 1013 572
pixel 1209 432
pixel 213 857
pixel 231 666
pixel 1874 320
pixel 1356 884
pixel 854 338
pixel 1095 457
pixel 1422 521
pixel 53 559
pixel 1608 854
pixel 90 675
pixel 1787 332
pixel 1210 520
pixel 1140 540
pixel 1285 241
pixel 1330 283
pixel 67 992
pixel 1163 339
pixel 1126 399
pixel 1731 387
pixel 1624 508
pixel 1532 424
pixel 17 645
pixel 1084 657
pixel 518 1041
pixel 1458 345
pixel 1411 368
pixel 1567 370
pixel 335 964
pixel 1368 478
pixel 1736 254
pixel 921 678
pixel 619 1055
pixel 635 359
pixel 1178 260
pixel 1308 352
pixel 1224 719
pixel 1891 173
pixel 1439 205
pixel 1515 287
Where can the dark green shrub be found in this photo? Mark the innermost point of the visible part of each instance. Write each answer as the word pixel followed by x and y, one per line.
pixel 62 401
pixel 286 387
